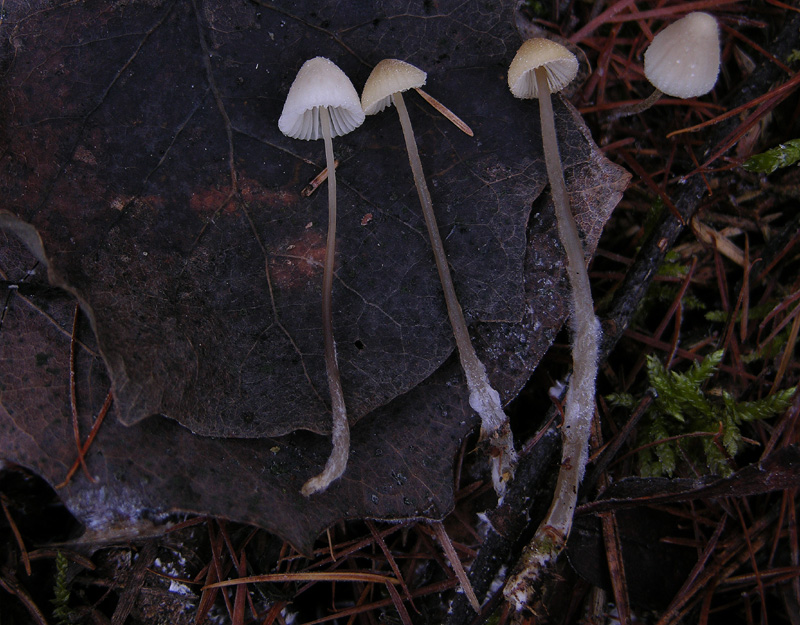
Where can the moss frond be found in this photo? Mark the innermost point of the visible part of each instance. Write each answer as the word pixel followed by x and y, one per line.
pixel 683 407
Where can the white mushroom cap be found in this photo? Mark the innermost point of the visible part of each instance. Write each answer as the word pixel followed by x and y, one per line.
pixel 683 59
pixel 559 63
pixel 390 76
pixel 319 83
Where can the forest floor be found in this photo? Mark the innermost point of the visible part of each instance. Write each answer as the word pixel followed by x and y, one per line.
pixel 697 283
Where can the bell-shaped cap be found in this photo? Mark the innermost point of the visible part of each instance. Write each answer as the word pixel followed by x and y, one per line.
pixel 320 83
pixel 390 76
pixel 559 63
pixel 683 59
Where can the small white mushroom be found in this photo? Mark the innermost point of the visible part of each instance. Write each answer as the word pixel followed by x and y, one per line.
pixel 322 102
pixel 385 86
pixel 557 65
pixel 682 61
pixel 320 85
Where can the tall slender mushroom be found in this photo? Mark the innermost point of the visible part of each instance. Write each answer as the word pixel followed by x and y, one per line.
pixel 322 102
pixel 540 67
pixel 385 86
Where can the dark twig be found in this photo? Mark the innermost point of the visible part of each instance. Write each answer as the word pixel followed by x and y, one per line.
pixel 509 520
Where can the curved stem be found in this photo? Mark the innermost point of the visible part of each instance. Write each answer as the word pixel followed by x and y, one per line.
pixel 634 109
pixel 552 533
pixel 484 399
pixel 340 430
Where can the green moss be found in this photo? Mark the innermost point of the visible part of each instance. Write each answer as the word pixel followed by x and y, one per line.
pixel 60 600
pixel 683 407
pixel 537 8
pixel 784 155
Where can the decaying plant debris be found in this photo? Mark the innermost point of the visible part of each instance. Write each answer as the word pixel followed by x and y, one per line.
pixel 700 256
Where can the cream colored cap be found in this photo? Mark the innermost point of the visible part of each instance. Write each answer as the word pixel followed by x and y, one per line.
pixel 683 59
pixel 320 83
pixel 390 76
pixel 559 63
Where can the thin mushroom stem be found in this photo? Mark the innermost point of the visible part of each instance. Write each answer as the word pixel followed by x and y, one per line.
pixel 634 109
pixel 484 399
pixel 579 408
pixel 340 432
pixel 552 533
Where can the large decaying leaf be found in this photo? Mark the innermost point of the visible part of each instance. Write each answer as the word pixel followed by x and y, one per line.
pixel 143 165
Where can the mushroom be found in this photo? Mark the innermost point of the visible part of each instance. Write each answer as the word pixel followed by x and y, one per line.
pixel 322 102
pixel 385 86
pixel 682 61
pixel 540 67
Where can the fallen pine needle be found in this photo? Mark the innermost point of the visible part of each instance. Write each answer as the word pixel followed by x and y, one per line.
pixel 73 400
pixel 455 562
pixel 373 578
pixel 89 440
pixel 452 117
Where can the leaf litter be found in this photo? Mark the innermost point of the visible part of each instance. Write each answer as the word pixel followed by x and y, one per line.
pixel 166 200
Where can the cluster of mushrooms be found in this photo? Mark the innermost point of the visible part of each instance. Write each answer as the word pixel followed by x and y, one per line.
pixel 322 102
pixel 682 61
